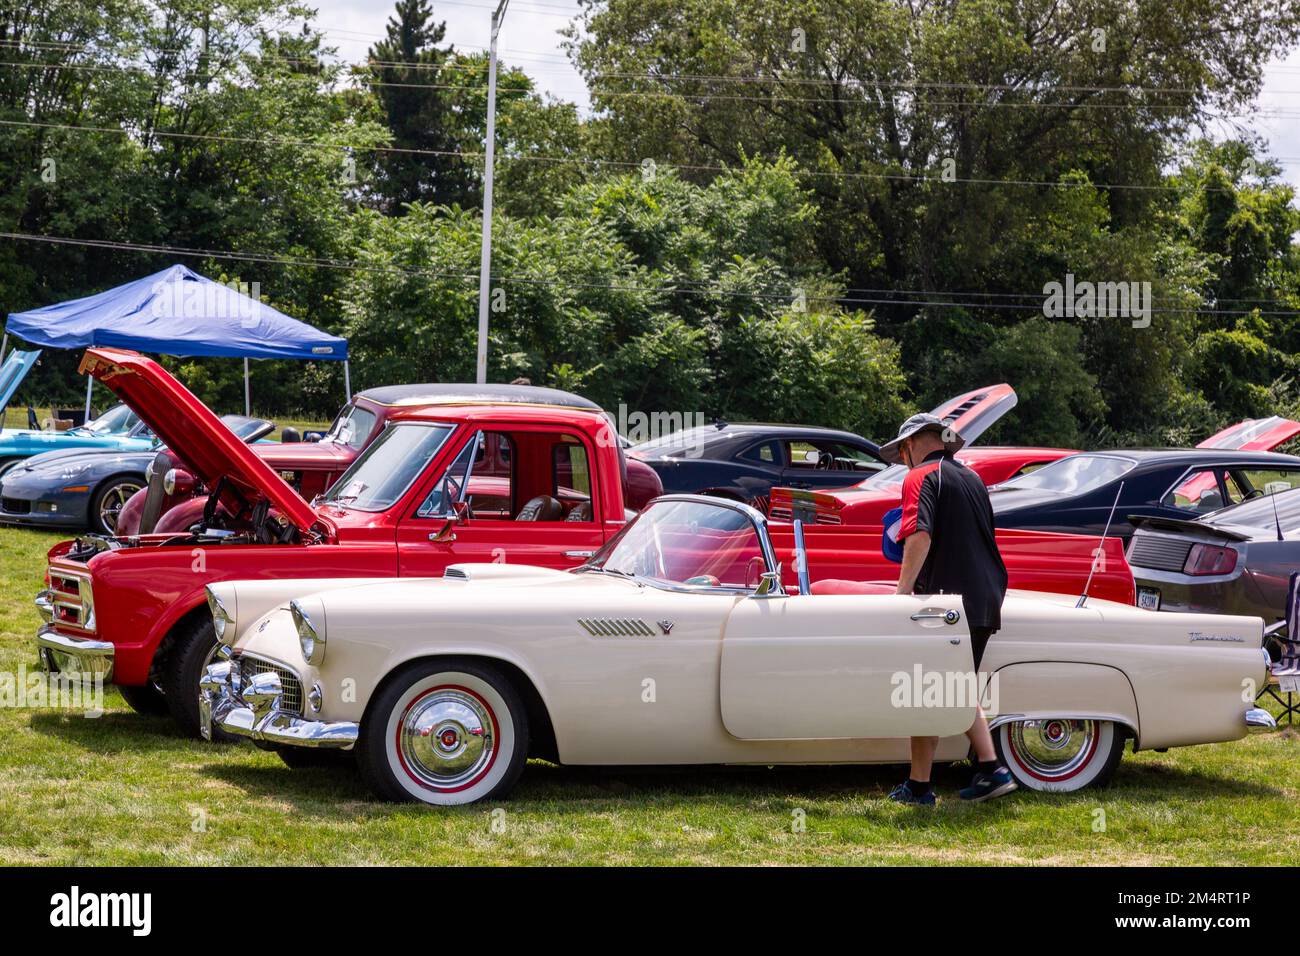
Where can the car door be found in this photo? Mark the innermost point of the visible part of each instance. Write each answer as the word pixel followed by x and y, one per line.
pixel 846 666
pixel 492 476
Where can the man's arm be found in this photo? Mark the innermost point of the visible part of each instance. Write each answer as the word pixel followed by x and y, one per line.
pixel 915 548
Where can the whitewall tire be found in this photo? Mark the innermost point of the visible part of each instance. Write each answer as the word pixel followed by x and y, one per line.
pixel 1060 755
pixel 446 733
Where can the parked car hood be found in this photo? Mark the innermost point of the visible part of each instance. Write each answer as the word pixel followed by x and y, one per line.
pixel 1254 434
pixel 15 368
pixel 307 455
pixel 192 432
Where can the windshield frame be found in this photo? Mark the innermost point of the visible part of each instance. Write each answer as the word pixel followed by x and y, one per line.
pixel 756 519
pixel 325 501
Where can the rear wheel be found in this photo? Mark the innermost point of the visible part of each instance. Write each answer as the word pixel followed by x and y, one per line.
pixel 147 700
pixel 108 500
pixel 192 650
pixel 1060 755
pixel 444 732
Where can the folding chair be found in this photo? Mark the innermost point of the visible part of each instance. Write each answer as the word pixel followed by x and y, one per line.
pixel 1284 676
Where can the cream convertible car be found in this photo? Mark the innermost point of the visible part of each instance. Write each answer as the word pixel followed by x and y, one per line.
pixel 677 644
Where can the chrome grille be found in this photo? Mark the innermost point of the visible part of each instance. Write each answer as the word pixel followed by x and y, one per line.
pixel 1159 552
pixel 290 685
pixel 68 599
pixel 615 627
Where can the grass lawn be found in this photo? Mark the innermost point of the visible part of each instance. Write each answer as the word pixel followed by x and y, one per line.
pixel 123 789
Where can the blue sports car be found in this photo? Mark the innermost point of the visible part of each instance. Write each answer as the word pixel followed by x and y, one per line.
pixel 86 488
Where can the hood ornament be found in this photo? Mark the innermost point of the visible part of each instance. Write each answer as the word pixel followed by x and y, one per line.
pixel 666 626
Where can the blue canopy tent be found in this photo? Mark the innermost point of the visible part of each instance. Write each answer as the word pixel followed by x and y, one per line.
pixel 178 312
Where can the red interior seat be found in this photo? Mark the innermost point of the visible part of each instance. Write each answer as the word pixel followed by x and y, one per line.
pixel 840 586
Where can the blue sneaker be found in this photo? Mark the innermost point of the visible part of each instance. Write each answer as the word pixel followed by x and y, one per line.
pixel 903 794
pixel 986 786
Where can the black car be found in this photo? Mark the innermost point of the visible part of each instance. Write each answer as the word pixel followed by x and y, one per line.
pixel 743 461
pixel 1075 494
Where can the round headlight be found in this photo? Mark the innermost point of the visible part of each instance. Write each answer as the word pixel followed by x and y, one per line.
pixel 222 619
pixel 169 481
pixel 309 622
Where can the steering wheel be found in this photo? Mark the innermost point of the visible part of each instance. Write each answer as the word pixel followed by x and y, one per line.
pixel 825 461
pixel 1253 494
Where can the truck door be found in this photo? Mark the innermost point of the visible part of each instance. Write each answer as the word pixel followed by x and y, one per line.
pixel 833 666
pixel 521 496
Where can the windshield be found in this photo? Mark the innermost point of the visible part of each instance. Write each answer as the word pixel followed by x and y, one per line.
pixel 388 467
pixel 117 420
pixel 352 427
pixel 1259 513
pixel 893 475
pixel 1073 475
pixel 687 544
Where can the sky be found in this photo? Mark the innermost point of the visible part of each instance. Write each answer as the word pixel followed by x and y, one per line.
pixel 530 40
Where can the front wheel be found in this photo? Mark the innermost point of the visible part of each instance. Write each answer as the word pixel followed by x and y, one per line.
pixel 146 699
pixel 192 650
pixel 444 732
pixel 108 500
pixel 1059 755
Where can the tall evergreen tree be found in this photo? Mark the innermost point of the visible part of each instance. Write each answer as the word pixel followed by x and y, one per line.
pixel 407 69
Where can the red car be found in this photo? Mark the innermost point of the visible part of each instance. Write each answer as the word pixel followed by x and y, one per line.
pixel 971 415
pixel 414 502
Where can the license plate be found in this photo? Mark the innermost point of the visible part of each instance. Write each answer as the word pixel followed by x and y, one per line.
pixel 1149 599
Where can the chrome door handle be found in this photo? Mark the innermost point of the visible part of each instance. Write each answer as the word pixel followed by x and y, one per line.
pixel 578 554
pixel 948 617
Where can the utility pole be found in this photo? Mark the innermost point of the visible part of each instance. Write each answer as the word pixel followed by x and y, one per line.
pixel 485 257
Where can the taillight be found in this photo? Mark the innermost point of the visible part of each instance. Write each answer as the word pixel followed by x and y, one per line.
pixel 1210 559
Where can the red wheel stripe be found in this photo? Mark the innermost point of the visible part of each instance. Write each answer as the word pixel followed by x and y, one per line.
pixel 1038 776
pixel 496 739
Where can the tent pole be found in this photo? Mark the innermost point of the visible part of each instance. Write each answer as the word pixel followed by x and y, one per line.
pixel 4 346
pixel 248 409
pixel 90 383
pixel 347 383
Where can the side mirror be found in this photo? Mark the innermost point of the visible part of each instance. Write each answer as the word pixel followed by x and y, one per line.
pixel 445 534
pixel 769 584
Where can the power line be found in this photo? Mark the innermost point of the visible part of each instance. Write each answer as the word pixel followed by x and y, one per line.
pixel 356 265
pixel 616 164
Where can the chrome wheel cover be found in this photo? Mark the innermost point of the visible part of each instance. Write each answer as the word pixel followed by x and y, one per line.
pixel 110 506
pixel 446 739
pixel 1054 749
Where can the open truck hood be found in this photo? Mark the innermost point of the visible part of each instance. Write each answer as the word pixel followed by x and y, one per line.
pixel 1254 434
pixel 192 432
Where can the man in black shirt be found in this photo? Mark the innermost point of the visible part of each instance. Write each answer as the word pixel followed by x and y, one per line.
pixel 949 548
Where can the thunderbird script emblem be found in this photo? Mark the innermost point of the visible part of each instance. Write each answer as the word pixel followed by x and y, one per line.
pixel 665 626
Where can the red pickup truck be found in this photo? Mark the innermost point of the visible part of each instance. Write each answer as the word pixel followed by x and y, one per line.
pixel 134 608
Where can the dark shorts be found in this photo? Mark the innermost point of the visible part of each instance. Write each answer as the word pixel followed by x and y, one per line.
pixel 979 638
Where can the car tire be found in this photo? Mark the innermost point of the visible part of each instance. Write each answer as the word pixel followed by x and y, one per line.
pixel 107 501
pixel 192 650
pixel 146 700
pixel 401 751
pixel 1060 755
pixel 302 758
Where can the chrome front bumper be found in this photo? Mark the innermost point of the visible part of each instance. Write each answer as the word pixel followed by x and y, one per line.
pixel 64 654
pixel 250 707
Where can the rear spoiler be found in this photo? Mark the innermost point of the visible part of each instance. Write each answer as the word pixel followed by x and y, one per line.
pixel 1181 525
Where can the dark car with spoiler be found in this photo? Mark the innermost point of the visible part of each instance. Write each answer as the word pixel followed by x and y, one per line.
pixel 1076 494
pixel 1238 560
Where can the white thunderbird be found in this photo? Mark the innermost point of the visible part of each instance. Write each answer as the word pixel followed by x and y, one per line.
pixel 677 643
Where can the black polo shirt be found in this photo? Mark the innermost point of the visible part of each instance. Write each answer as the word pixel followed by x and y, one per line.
pixel 950 501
